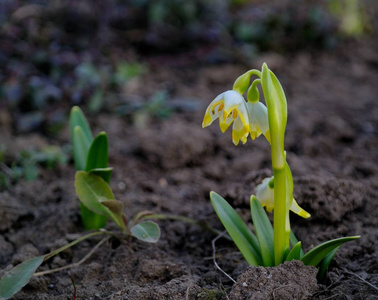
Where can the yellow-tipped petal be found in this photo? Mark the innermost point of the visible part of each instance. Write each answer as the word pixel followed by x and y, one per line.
pixel 258 119
pixel 267 136
pixel 265 194
pixel 207 120
pixel 225 122
pixel 212 111
pixel 239 132
pixel 269 208
pixel 295 208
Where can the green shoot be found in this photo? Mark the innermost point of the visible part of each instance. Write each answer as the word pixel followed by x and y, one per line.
pixel 88 154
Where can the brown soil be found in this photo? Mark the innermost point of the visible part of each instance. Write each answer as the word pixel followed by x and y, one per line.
pixel 173 165
pixel 290 280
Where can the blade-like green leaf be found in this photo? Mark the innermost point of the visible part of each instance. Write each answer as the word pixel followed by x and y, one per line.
pixel 294 241
pixel 80 145
pixel 315 255
pixel 295 253
pixel 97 196
pixel 237 229
pixel 325 262
pixel 147 231
pixel 104 173
pixel 77 118
pixel 97 157
pixel 264 231
pixel 14 280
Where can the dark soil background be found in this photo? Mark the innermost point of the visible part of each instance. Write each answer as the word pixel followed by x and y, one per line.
pixel 53 56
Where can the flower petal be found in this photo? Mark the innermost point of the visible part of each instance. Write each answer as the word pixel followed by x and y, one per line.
pixel 261 116
pixel 212 111
pixel 225 121
pixel 295 208
pixel 265 194
pixel 239 131
pixel 232 100
pixel 258 119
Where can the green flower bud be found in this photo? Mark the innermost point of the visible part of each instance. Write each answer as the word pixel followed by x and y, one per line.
pixel 253 94
pixel 242 82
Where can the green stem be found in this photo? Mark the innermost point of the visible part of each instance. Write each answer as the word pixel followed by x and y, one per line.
pixel 255 72
pixel 201 224
pixel 280 243
pixel 57 251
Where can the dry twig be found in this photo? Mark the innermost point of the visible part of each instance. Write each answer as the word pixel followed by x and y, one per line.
pixel 360 278
pixel 214 255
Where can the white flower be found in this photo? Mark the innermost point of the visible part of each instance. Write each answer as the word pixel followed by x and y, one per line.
pixel 258 120
pixel 265 194
pixel 229 107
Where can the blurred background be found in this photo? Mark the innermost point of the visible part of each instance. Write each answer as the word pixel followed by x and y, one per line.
pixel 122 58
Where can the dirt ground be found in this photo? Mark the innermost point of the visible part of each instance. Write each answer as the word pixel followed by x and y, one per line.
pixel 173 164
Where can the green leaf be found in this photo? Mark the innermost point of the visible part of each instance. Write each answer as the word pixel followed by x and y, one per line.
pixel 295 253
pixel 14 280
pixel 326 261
pixel 80 145
pixel 294 241
pixel 315 255
pixel 97 196
pixel 98 153
pixel 90 189
pixel 264 231
pixel 77 118
pixel 240 233
pixel 147 231
pixel 104 173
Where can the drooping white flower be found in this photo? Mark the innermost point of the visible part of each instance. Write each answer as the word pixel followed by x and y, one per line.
pixel 230 107
pixel 258 120
pixel 265 194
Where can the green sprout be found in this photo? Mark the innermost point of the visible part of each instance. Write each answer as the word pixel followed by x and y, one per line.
pixel 89 154
pixel 98 204
pixel 270 245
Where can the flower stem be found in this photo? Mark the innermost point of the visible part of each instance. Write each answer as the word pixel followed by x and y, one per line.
pixel 279 219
